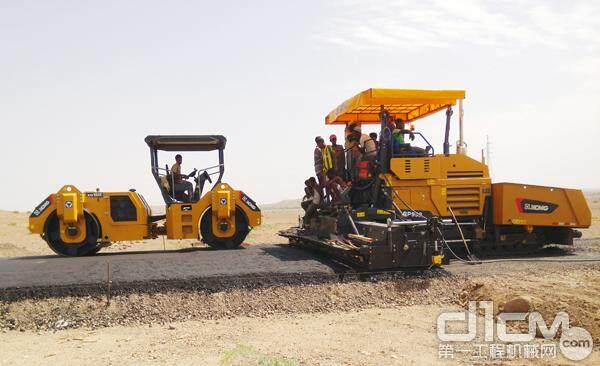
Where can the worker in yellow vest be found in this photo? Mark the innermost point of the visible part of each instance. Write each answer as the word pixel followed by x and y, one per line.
pixel 327 158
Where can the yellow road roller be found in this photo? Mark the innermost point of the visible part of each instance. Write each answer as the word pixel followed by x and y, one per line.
pixel 76 223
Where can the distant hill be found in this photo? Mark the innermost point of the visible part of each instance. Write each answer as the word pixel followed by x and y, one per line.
pixel 285 204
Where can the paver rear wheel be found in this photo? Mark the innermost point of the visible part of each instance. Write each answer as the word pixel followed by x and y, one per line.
pixel 88 246
pixel 241 231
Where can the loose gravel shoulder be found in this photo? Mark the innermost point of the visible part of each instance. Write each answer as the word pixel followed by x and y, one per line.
pixel 167 306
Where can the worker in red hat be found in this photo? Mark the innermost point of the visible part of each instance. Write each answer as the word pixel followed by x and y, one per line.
pixel 339 157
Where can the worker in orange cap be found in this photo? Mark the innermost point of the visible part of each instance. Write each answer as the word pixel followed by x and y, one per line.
pixel 339 158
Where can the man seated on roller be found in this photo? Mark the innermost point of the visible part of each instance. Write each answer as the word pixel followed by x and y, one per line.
pixel 181 185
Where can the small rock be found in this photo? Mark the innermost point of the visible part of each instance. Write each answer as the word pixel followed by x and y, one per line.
pixel 171 327
pixel 61 324
pixel 519 304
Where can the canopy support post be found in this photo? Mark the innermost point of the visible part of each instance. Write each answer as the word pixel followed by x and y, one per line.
pixel 384 149
pixel 221 166
pixel 447 132
pixel 461 145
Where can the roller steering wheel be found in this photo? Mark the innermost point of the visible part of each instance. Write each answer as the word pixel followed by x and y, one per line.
pixel 193 173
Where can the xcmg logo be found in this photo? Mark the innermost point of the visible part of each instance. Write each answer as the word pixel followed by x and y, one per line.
pixel 525 205
pixel 249 202
pixel 40 208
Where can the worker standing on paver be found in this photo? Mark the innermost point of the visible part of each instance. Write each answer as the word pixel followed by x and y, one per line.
pixel 327 159
pixel 339 158
pixel 318 158
pixel 369 148
pixel 373 136
pixel 353 153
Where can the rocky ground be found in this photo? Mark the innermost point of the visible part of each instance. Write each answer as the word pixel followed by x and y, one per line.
pixel 166 306
pixel 390 320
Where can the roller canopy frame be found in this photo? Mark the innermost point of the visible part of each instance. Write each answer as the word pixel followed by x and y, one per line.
pixel 186 142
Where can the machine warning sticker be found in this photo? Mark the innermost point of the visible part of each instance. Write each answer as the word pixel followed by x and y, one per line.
pixel 249 202
pixel 186 207
pixel 525 205
pixel 40 208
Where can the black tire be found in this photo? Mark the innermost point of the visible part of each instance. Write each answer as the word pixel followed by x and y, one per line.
pixel 241 231
pixel 88 246
pixel 95 250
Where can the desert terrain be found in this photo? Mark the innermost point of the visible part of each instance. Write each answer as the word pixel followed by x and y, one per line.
pixel 384 320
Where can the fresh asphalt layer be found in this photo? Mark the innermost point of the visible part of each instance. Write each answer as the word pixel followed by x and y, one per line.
pixel 267 261
pixel 45 271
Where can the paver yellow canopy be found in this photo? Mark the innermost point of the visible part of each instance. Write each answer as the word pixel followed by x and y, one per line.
pixel 407 203
pixel 406 104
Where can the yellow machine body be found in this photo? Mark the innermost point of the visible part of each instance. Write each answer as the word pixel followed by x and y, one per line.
pixel 454 185
pixel 120 215
pixel 439 183
pixel 70 211
pixel 124 216
pixel 435 183
pixel 183 218
pixel 529 205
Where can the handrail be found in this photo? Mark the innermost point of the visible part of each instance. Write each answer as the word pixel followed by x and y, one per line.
pixel 215 166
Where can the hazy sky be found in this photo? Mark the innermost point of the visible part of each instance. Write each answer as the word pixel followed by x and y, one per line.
pixel 83 82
